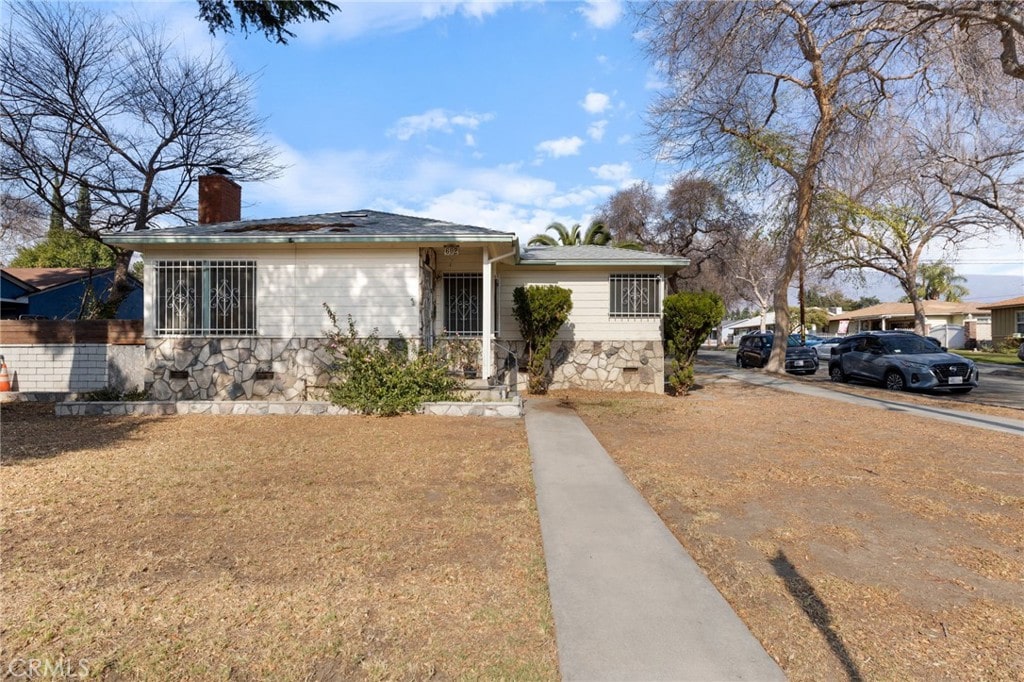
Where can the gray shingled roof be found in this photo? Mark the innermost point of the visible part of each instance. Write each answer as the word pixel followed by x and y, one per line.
pixel 595 255
pixel 349 226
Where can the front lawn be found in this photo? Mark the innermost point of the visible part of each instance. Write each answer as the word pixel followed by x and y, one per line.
pixel 856 543
pixel 986 356
pixel 291 548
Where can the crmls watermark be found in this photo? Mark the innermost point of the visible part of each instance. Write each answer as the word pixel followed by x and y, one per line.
pixel 48 668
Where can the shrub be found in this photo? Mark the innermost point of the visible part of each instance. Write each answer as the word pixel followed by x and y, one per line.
pixel 114 395
pixel 689 319
pixel 540 311
pixel 384 379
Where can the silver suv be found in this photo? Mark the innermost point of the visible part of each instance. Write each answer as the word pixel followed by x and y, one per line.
pixel 901 361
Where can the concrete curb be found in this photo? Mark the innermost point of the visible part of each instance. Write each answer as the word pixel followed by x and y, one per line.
pixel 507 409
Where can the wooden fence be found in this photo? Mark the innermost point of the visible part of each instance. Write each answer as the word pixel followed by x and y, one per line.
pixel 39 332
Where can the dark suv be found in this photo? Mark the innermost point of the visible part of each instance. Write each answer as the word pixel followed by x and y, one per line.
pixel 901 361
pixel 755 349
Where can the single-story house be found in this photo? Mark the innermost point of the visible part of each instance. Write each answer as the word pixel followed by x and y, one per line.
pixel 58 293
pixel 953 323
pixel 1007 319
pixel 234 309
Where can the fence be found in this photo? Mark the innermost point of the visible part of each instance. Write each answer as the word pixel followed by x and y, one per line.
pixel 45 356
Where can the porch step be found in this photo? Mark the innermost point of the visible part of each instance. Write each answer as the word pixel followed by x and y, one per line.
pixel 480 391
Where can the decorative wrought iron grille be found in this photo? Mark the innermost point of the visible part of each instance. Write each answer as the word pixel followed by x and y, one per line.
pixel 206 297
pixel 463 293
pixel 635 295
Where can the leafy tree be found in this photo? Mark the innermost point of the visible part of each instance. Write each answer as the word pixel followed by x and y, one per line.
pixel 541 311
pixel 269 16
pixel 689 318
pixel 93 100
pixel 65 249
pixel 939 281
pixel 814 318
pixel 597 234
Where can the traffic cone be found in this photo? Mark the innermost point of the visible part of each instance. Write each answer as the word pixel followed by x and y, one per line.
pixel 5 379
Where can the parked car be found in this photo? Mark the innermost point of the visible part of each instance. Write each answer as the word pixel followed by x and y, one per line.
pixel 901 362
pixel 754 350
pixel 824 349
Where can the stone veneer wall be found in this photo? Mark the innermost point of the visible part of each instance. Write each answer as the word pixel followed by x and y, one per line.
pixel 233 368
pixel 601 365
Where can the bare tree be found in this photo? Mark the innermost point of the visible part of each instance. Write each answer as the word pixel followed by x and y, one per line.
pixel 967 29
pixel 87 100
pixel 754 267
pixel 22 222
pixel 893 210
pixel 695 218
pixel 766 89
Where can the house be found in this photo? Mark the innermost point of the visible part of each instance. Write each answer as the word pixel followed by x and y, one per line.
pixel 1007 319
pixel 235 309
pixel 59 293
pixel 955 324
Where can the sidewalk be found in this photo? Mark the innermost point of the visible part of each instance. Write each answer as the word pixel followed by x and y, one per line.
pixel 629 602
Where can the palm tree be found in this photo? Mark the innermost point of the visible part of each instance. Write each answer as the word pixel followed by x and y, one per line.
pixel 939 280
pixel 598 234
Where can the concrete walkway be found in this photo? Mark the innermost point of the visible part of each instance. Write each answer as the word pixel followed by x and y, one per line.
pixel 629 602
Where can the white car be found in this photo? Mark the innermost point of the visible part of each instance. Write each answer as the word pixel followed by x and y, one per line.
pixel 824 349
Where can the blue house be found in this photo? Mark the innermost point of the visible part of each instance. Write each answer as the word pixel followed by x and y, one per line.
pixel 58 293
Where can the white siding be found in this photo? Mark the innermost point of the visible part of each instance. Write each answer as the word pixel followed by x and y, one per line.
pixel 378 287
pixel 590 319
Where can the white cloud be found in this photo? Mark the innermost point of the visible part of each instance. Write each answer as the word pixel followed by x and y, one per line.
pixel 435 119
pixel 613 172
pixel 596 102
pixel 359 19
pixel 563 146
pixel 470 140
pixel 624 139
pixel 584 197
pixel 596 130
pixel 602 13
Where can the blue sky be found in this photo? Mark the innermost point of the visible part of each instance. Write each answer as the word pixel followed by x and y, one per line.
pixel 500 114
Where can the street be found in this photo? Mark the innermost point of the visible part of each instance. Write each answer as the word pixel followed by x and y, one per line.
pixel 999 386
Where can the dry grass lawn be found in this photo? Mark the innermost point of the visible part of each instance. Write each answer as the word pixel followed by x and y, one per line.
pixel 856 543
pixel 291 548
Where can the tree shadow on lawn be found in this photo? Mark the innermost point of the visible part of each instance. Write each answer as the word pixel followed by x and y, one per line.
pixel 817 611
pixel 32 431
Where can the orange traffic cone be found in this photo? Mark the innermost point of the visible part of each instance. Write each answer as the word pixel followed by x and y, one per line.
pixel 5 380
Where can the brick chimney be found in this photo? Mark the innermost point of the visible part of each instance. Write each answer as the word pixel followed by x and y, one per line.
pixel 220 198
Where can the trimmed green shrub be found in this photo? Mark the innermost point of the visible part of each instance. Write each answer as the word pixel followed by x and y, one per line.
pixel 689 319
pixel 383 378
pixel 541 311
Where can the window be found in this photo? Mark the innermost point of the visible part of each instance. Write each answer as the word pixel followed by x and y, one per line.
pixel 462 295
pixel 1020 322
pixel 206 297
pixel 635 295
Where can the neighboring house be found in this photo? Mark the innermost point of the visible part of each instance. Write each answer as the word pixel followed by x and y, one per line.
pixel 955 324
pixel 235 309
pixel 1007 319
pixel 732 331
pixel 58 293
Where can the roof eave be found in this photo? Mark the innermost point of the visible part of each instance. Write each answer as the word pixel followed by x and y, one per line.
pixel 677 263
pixel 154 239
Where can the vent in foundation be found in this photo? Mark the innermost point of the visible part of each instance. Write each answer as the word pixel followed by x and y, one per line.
pixel 178 374
pixel 264 376
pixel 630 370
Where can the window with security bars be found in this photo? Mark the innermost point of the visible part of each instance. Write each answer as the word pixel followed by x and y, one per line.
pixel 463 293
pixel 205 297
pixel 635 295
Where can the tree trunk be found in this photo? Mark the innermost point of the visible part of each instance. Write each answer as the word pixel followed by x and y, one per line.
pixel 121 287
